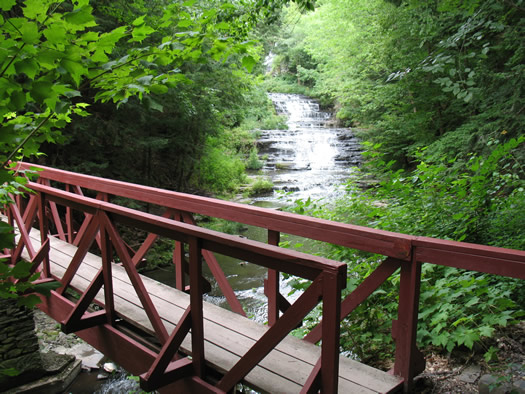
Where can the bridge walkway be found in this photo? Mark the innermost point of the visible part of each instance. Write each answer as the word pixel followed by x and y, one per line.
pixel 227 335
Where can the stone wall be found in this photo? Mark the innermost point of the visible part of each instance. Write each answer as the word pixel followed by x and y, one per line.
pixel 18 345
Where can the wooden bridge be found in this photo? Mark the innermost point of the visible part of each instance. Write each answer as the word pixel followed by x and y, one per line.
pixel 174 340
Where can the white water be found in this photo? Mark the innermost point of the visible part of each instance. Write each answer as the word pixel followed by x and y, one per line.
pixel 313 157
pixel 310 159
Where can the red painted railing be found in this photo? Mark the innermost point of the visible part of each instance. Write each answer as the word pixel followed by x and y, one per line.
pixel 62 188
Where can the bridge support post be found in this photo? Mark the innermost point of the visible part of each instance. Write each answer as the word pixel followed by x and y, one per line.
pixel 408 359
pixel 197 324
pixel 331 330
pixel 271 284
pixel 44 229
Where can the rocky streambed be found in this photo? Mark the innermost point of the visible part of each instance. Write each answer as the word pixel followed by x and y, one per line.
pixel 72 365
pixel 460 372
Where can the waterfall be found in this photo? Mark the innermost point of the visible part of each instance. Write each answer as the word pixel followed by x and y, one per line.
pixel 313 157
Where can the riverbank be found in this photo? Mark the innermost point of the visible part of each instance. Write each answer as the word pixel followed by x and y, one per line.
pixel 460 372
pixel 96 373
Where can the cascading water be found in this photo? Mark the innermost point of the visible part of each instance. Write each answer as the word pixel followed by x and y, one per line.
pixel 312 158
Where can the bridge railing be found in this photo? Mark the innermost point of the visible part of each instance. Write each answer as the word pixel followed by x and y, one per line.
pixel 103 220
pixel 403 252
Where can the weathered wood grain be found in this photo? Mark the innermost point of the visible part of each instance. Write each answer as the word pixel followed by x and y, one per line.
pixel 227 335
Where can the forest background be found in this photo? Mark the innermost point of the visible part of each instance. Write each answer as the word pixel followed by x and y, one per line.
pixel 434 90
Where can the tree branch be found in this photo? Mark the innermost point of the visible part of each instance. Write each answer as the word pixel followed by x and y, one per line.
pixel 21 145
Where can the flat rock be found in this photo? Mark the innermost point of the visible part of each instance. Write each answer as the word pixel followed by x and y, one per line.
pixel 519 386
pixel 490 384
pixel 470 374
pixel 54 363
pixel 56 383
pixel 90 357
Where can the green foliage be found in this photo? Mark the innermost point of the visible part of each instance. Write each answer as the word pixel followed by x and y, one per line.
pixel 285 85
pixel 260 186
pixel 219 170
pixel 221 225
pixel 7 235
pixel 258 113
pixel 253 162
pixel 273 122
pixel 304 207
pixel 463 307
pixel 56 59
pixel 20 290
pixel 480 200
pixel 13 183
pixel 9 372
pixel 451 199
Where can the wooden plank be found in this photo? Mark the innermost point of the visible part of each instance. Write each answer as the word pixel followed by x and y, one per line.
pixel 481 258
pixel 304 265
pixel 228 335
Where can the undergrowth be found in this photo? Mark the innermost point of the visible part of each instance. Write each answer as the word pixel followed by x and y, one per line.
pixel 479 199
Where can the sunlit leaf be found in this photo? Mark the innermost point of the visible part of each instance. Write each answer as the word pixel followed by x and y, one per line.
pixel 248 62
pixel 30 33
pixel 6 5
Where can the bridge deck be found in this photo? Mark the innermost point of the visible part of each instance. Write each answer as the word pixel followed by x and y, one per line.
pixel 227 335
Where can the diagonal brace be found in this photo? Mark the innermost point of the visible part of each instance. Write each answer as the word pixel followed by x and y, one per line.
pixel 361 293
pixel 149 380
pixel 288 321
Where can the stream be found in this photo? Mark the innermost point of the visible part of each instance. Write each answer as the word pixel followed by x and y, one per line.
pixel 311 159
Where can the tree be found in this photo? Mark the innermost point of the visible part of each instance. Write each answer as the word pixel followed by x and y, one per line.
pixel 56 62
pixel 437 90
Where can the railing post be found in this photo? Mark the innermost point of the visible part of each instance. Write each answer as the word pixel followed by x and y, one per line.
pixel 333 284
pixel 107 257
pixel 69 220
pixel 408 359
pixel 178 260
pixel 41 200
pixel 271 284
pixel 197 323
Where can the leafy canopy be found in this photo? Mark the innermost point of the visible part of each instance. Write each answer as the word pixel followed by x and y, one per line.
pixel 56 61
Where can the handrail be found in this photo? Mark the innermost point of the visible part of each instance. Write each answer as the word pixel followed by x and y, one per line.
pixel 404 252
pixel 329 278
pixel 358 237
pixel 309 265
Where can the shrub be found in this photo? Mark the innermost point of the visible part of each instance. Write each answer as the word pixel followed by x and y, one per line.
pixel 220 170
pixel 260 186
pixel 480 200
pixel 253 162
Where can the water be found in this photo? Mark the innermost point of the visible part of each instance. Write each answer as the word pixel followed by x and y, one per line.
pixel 117 383
pixel 310 159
